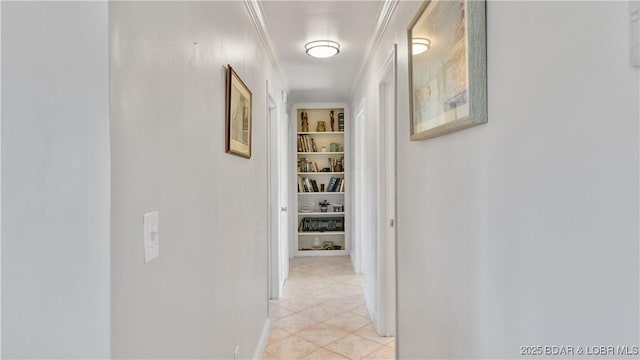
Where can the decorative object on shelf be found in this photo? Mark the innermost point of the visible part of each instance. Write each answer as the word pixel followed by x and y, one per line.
pixel 316 243
pixel 304 122
pixel 333 120
pixel 238 116
pixel 324 205
pixel 306 207
pixel 448 83
pixel 337 207
pixel 340 121
pixel 327 245
pixel 326 169
pixel 321 127
pixel 334 147
pixel 336 164
pixel 323 149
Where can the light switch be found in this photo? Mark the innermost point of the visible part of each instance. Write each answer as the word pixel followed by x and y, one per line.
pixel 151 236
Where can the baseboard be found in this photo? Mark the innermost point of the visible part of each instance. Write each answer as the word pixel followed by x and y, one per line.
pixel 262 341
pixel 370 308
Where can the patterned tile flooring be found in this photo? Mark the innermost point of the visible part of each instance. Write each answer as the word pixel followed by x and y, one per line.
pixel 322 315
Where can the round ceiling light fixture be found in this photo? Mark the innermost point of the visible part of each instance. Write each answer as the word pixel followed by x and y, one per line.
pixel 420 45
pixel 322 48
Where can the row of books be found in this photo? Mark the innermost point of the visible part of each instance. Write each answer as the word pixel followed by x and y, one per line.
pixel 306 144
pixel 321 225
pixel 308 185
pixel 336 184
pixel 305 165
pixel 340 121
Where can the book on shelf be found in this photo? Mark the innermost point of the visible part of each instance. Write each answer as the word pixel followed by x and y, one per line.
pixel 336 184
pixel 314 185
pixel 309 186
pixel 332 184
pixel 306 166
pixel 306 144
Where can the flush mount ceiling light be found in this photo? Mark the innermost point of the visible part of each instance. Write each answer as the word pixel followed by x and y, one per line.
pixel 420 45
pixel 322 48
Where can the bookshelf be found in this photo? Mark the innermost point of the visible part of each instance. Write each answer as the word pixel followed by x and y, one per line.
pixel 321 176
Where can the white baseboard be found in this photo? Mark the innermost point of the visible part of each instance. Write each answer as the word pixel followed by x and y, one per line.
pixel 262 341
pixel 370 308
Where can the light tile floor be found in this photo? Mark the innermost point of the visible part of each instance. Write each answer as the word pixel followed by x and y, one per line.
pixel 322 315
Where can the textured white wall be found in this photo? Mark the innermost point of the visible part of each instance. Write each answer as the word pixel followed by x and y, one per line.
pixel 207 291
pixel 524 231
pixel 55 180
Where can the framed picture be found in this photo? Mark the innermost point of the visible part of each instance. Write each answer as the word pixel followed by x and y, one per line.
pixel 238 116
pixel 447 67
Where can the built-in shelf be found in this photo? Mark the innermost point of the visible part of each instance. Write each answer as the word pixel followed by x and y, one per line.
pixel 322 153
pixel 310 161
pixel 321 173
pixel 321 133
pixel 328 213
pixel 316 233
pixel 305 252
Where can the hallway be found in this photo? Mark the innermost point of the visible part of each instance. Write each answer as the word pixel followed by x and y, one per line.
pixel 322 315
pixel 518 233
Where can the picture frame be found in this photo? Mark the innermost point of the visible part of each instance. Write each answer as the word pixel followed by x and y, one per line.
pixel 238 113
pixel 448 81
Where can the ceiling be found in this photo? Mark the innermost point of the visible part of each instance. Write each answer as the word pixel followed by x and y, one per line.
pixel 291 24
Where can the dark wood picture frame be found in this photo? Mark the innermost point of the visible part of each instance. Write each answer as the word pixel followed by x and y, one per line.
pixel 238 114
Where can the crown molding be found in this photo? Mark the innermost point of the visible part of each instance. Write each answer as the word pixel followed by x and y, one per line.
pixel 257 18
pixel 384 17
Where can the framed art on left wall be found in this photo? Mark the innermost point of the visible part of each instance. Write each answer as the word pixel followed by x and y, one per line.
pixel 238 116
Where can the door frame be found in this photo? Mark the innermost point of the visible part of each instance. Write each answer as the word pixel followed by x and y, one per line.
pixel 358 250
pixel 387 192
pixel 277 250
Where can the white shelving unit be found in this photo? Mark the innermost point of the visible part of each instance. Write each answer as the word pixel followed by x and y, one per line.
pixel 313 243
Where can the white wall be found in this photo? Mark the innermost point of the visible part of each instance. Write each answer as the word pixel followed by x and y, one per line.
pixel 55 180
pixel 523 231
pixel 207 291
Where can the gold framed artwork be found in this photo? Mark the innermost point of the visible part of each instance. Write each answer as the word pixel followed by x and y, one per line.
pixel 238 116
pixel 447 67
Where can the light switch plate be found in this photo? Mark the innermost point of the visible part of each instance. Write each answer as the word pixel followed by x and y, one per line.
pixel 151 236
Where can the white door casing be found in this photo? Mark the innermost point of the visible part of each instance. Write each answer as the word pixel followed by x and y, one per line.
pixel 386 242
pixel 278 230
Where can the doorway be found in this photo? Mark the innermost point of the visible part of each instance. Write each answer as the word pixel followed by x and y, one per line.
pixel 385 320
pixel 277 189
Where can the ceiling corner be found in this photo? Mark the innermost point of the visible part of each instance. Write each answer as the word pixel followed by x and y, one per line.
pixel 254 8
pixel 384 17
